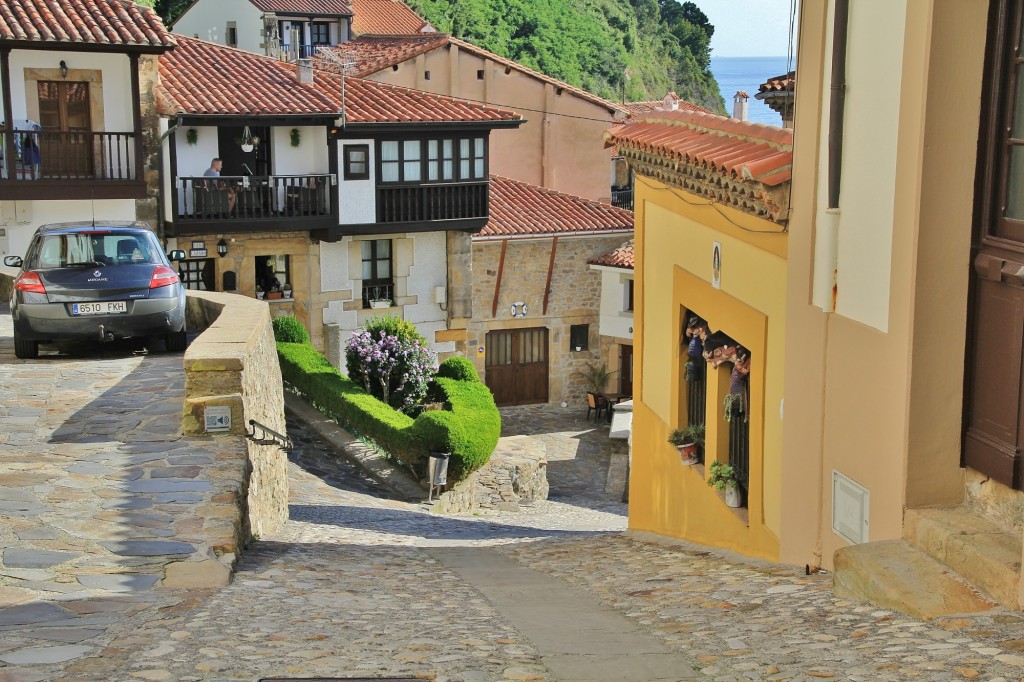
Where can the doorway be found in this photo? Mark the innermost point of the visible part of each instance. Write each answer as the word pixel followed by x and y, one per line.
pixel 517 366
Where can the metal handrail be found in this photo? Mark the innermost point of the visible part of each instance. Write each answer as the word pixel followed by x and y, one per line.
pixel 284 441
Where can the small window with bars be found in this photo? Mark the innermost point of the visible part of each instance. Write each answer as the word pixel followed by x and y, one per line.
pixel 378 283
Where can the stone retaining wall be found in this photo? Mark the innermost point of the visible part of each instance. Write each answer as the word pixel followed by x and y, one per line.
pixel 233 363
pixel 516 473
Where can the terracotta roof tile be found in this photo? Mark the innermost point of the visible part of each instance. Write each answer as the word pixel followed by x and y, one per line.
pixel 521 209
pixel 783 83
pixel 620 257
pixel 375 53
pixel 738 163
pixel 320 7
pixel 640 108
pixel 200 77
pixel 95 22
pixel 386 17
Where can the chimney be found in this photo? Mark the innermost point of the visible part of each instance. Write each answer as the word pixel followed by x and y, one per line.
pixel 305 71
pixel 671 102
pixel 740 105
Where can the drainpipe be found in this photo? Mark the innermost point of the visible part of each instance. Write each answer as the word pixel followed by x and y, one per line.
pixel 828 246
pixel 160 228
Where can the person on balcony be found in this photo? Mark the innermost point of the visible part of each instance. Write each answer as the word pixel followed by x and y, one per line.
pixel 214 171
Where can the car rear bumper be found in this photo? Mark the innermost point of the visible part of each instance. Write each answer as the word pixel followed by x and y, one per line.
pixel 53 322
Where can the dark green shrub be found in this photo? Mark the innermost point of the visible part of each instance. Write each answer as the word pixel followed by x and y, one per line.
pixel 458 368
pixel 469 428
pixel 288 329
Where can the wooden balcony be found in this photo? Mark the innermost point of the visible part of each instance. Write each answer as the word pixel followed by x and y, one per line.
pixel 70 165
pixel 236 203
pixel 433 202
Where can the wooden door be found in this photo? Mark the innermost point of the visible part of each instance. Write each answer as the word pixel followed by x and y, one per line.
pixel 66 141
pixel 517 366
pixel 626 371
pixel 994 385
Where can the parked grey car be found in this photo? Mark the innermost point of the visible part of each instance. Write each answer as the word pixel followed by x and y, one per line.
pixel 101 281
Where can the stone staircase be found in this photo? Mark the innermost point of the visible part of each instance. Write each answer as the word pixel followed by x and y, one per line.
pixel 957 559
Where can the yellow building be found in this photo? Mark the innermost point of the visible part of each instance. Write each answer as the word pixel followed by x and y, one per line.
pixel 885 326
pixel 711 200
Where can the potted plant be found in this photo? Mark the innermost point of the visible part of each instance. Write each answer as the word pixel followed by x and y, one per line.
pixel 286 289
pixel 732 406
pixel 275 290
pixel 259 292
pixel 380 302
pixel 596 378
pixel 723 478
pixel 688 440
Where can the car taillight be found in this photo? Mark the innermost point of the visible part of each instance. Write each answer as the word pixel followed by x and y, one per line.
pixel 163 276
pixel 30 282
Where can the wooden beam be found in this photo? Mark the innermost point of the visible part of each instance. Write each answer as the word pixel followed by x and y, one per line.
pixel 551 267
pixel 497 282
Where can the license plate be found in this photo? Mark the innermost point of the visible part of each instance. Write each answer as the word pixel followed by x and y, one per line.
pixel 101 308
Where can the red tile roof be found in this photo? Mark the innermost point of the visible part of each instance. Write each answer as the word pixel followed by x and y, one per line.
pixel 640 108
pixel 319 7
pixel 375 53
pixel 620 257
pixel 725 159
pixel 200 77
pixel 783 83
pixel 386 17
pixel 519 209
pixel 91 22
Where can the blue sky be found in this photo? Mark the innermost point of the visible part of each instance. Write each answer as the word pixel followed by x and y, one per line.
pixel 748 28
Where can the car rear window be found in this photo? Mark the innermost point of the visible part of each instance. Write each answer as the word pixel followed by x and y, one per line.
pixel 95 248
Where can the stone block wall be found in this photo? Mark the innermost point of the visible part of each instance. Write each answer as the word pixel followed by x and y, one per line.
pixel 516 473
pixel 234 363
pixel 574 298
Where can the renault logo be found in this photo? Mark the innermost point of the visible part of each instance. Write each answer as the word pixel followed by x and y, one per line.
pixel 97 273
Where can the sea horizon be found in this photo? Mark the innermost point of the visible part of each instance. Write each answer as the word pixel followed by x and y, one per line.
pixel 747 74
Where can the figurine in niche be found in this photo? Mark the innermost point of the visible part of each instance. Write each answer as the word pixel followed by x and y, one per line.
pixel 739 385
pixel 719 348
pixel 696 332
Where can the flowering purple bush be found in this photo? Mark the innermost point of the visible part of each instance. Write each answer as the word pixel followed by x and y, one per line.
pixel 395 369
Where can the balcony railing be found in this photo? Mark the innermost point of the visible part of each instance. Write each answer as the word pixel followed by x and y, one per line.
pixel 442 201
pixel 623 198
pixel 254 198
pixel 68 156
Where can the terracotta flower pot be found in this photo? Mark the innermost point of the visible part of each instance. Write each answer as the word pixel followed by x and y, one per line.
pixel 687 453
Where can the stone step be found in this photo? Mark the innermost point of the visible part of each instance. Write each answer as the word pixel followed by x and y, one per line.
pixel 896 575
pixel 981 552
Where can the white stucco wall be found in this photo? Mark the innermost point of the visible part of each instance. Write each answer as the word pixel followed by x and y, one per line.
pixel 615 320
pixel 867 193
pixel 208 20
pixel 357 199
pixel 419 264
pixel 192 160
pixel 116 83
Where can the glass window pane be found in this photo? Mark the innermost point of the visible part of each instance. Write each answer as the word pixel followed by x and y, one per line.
pixel 389 151
pixel 449 170
pixel 478 168
pixel 463 148
pixel 479 143
pixel 367 248
pixel 383 248
pixel 412 171
pixel 431 170
pixel 432 149
pixel 389 171
pixel 411 149
pixel 464 168
pixel 448 149
pixel 1015 184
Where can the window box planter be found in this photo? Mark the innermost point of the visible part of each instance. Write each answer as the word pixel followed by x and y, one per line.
pixel 382 303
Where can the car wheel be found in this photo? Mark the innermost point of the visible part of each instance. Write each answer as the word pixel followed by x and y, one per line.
pixel 25 348
pixel 176 341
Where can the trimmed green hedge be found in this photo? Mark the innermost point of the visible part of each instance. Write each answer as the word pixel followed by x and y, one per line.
pixel 288 329
pixel 468 427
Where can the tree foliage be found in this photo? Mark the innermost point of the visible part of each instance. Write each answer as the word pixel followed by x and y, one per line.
pixel 619 49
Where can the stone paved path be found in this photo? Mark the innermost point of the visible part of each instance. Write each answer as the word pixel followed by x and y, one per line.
pixel 353 584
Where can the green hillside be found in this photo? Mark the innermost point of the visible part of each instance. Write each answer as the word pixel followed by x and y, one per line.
pixel 632 49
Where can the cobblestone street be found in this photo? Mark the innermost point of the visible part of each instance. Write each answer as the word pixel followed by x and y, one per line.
pixel 360 584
